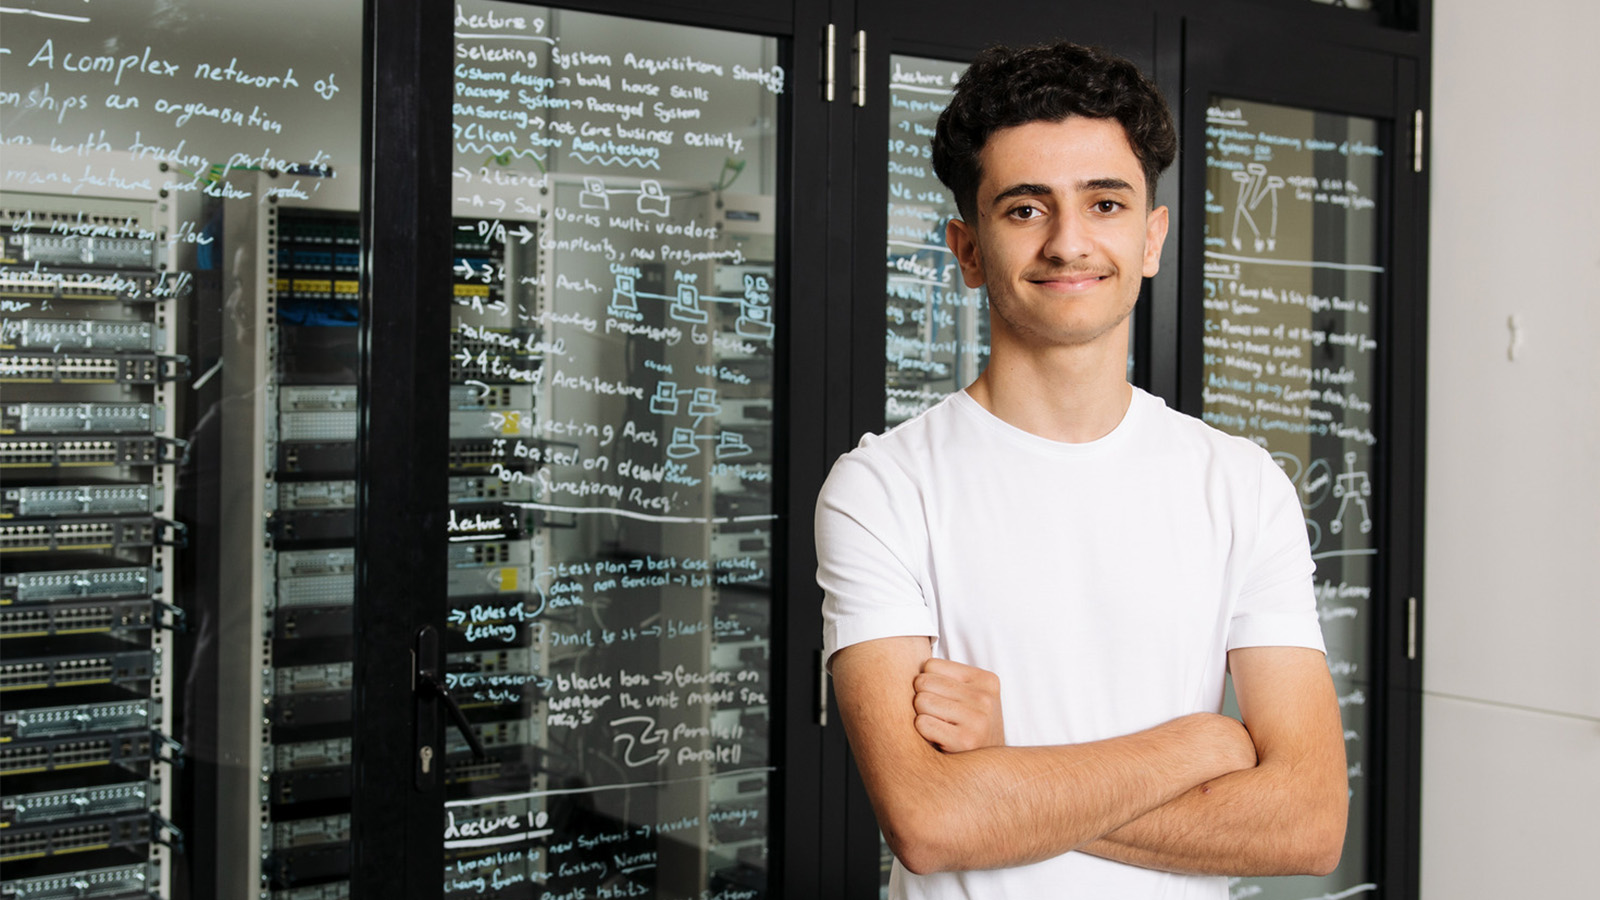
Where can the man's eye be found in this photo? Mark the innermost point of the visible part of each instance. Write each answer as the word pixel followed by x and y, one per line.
pixel 1024 212
pixel 1107 206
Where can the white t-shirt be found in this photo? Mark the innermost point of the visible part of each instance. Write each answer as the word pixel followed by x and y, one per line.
pixel 1104 583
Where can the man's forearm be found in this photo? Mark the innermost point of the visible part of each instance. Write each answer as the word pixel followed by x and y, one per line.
pixel 1286 815
pixel 1009 806
pixel 1238 824
pixel 1004 806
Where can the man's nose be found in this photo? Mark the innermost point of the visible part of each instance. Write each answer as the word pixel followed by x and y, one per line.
pixel 1068 238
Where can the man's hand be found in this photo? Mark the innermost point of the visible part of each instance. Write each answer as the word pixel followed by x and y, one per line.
pixel 958 706
pixel 958 709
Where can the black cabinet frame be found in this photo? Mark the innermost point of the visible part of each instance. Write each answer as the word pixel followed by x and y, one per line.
pixel 824 840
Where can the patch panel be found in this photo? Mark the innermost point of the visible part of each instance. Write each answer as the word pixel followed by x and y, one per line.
pixel 103 717
pixel 55 839
pixel 135 880
pixel 74 803
pixel 312 230
pixel 129 750
pixel 60 335
pixel 60 619
pixel 78 584
pixel 82 418
pixel 32 673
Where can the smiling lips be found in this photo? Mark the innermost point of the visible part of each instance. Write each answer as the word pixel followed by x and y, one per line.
pixel 1071 279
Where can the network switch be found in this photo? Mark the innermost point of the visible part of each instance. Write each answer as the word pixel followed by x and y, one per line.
pixel 73 452
pixel 62 283
pixel 91 417
pixel 331 829
pixel 75 803
pixel 95 617
pixel 54 249
pixel 110 536
pixel 311 754
pixel 78 584
pixel 54 671
pixel 102 717
pixel 129 750
pixel 125 882
pixel 78 500
pixel 317 678
pixel 87 368
pixel 61 335
pixel 51 839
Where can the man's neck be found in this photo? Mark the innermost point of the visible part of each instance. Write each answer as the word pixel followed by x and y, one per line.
pixel 1072 395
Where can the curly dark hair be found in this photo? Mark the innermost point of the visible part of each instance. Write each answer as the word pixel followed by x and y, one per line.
pixel 1008 86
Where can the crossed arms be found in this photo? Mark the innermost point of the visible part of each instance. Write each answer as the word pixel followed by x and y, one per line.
pixel 1201 794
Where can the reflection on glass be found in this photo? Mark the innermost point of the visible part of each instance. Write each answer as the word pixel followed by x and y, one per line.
pixel 1293 277
pixel 178 282
pixel 611 456
pixel 937 339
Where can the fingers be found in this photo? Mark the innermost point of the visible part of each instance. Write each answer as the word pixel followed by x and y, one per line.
pixel 958 706
pixel 942 734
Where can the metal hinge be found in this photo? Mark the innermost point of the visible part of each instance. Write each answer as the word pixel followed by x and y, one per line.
pixel 1416 141
pixel 859 97
pixel 1411 628
pixel 822 690
pixel 829 46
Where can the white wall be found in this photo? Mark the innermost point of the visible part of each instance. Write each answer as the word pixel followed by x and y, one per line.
pixel 1511 715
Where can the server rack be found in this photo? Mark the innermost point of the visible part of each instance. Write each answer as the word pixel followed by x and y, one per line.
pixel 88 365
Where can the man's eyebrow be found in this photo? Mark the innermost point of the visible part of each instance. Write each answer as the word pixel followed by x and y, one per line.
pixel 1104 184
pixel 1023 190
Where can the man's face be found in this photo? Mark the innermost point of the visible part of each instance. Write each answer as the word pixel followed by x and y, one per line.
pixel 1063 234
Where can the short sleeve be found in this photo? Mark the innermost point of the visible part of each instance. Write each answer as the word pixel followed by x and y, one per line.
pixel 869 556
pixel 1277 605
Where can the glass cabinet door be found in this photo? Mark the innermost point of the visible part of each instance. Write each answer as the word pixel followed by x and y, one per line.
pixel 178 356
pixel 1293 291
pixel 612 469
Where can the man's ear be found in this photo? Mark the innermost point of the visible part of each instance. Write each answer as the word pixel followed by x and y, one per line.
pixel 1155 234
pixel 962 240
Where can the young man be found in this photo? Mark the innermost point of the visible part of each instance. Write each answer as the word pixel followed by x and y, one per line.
pixel 1106 558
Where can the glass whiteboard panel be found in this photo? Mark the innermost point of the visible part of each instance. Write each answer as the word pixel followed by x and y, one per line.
pixel 1293 278
pixel 179 185
pixel 612 471
pixel 937 337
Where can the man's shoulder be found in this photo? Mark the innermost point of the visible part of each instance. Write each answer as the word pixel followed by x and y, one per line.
pixel 912 440
pixel 1182 433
